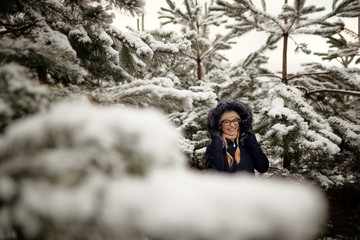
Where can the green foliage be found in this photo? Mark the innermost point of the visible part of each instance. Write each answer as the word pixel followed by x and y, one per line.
pixel 72 40
pixel 185 73
pixel 347 8
pixel 19 95
pixel 291 142
pixel 195 22
pixel 306 126
pixel 291 130
pixel 134 7
pixel 341 50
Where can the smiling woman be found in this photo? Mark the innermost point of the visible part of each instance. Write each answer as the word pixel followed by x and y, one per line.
pixel 233 147
pixel 230 124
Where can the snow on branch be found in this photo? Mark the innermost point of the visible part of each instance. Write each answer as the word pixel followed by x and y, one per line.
pixel 152 91
pixel 175 45
pixel 350 131
pixel 134 7
pixel 141 48
pixel 338 91
pixel 120 170
pixel 302 130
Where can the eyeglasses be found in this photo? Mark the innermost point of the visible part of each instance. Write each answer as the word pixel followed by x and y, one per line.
pixel 228 122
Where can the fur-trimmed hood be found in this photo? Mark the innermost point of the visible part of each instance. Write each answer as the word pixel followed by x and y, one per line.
pixel 213 122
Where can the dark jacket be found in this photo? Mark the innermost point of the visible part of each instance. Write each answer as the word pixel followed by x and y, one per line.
pixel 251 155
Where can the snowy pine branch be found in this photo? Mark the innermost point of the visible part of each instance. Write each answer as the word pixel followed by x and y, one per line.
pixel 337 91
pixel 134 7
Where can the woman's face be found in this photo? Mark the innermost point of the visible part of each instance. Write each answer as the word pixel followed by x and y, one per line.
pixel 229 125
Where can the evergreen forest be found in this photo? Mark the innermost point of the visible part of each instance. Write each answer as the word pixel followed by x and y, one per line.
pixel 95 119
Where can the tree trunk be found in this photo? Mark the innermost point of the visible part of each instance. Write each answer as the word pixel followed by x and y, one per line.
pixel 198 49
pixel 42 74
pixel 286 162
pixel 198 55
pixel 284 63
pixel 198 62
pixel 359 27
pixel 285 46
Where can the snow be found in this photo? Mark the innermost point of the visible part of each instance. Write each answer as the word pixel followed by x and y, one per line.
pixel 50 45
pixel 278 110
pixel 108 43
pixel 121 169
pixel 282 130
pixel 46 36
pixel 333 180
pixel 54 3
pixel 142 49
pixel 316 141
pixel 106 38
pixel 7 188
pixel 325 182
pixel 160 88
pixel 81 34
pixel 188 205
pixel 350 131
pixel 16 78
pixel 107 128
pixel 294 116
pixel 56 203
pixel 5 109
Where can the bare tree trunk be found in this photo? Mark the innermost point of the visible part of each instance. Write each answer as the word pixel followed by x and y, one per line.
pixel 42 74
pixel 198 64
pixel 359 27
pixel 198 55
pixel 284 63
pixel 286 160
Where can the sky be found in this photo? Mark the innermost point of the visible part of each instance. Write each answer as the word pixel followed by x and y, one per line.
pixel 252 40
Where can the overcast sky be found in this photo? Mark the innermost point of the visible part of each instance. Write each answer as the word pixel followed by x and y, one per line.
pixel 252 40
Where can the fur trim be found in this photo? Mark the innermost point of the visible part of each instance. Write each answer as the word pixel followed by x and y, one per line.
pixel 213 122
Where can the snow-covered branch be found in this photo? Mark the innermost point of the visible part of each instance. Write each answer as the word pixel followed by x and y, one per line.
pixel 121 171
pixel 337 91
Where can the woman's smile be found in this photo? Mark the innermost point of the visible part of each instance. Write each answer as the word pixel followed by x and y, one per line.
pixel 231 130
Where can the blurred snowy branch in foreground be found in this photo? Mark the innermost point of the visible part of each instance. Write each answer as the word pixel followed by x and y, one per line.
pixel 117 173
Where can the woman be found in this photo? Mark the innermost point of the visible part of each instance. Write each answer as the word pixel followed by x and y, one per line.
pixel 233 146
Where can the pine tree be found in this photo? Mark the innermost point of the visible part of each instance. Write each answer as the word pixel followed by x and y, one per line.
pixel 64 39
pixel 86 154
pixel 19 95
pixel 288 131
pixel 293 20
pixel 62 43
pixel 341 50
pixel 84 171
pixel 197 25
pixel 73 42
pixel 72 48
pixel 187 69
